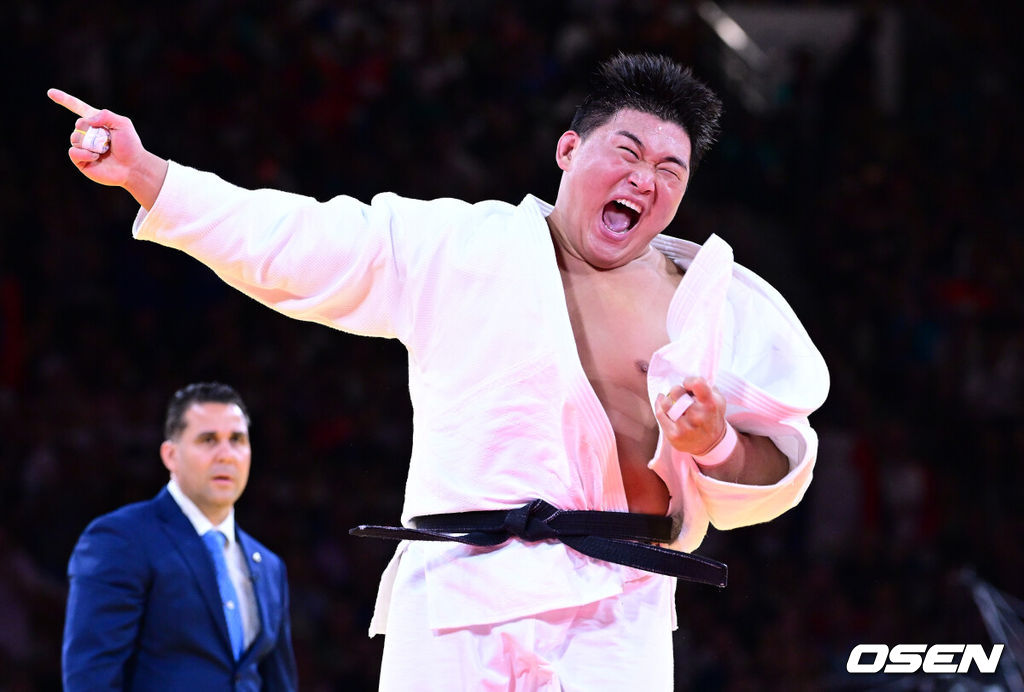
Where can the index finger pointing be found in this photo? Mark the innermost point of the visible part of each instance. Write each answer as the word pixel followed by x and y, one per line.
pixel 72 103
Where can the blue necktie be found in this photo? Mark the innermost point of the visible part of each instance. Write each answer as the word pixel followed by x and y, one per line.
pixel 215 542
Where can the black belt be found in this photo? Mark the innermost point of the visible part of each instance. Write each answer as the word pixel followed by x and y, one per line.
pixel 611 536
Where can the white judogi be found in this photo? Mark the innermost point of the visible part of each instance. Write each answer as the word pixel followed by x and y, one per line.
pixel 503 411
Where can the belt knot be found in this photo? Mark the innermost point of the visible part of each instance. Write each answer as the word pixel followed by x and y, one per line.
pixel 530 522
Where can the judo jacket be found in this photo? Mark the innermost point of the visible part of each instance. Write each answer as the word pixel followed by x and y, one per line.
pixel 502 409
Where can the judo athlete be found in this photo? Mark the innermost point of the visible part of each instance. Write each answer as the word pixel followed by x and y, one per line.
pixel 588 394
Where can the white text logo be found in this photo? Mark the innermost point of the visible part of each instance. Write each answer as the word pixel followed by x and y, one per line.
pixel 909 658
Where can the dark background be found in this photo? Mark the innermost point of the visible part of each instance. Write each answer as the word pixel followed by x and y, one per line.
pixel 873 177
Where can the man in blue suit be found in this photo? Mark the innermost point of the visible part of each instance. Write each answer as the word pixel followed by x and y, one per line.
pixel 169 594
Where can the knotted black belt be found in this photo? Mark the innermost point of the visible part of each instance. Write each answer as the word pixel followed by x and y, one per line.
pixel 611 536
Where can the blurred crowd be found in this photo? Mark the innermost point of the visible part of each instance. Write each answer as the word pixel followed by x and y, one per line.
pixel 895 232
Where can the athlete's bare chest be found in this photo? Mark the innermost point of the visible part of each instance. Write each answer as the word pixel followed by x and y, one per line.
pixel 618 323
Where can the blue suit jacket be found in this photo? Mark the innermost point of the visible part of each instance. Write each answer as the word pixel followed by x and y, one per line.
pixel 144 612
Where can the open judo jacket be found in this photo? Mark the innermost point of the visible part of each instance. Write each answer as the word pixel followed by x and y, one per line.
pixel 502 409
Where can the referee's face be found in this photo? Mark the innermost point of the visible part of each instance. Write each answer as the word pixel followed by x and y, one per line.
pixel 210 458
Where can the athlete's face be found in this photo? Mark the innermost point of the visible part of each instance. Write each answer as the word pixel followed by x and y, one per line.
pixel 620 187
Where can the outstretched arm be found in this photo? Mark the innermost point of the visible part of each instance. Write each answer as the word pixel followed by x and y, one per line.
pixel 125 164
pixel 334 262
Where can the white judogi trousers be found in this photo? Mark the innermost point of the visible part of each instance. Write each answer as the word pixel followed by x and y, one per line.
pixel 623 642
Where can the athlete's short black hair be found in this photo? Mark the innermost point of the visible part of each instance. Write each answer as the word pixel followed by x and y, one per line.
pixel 652 84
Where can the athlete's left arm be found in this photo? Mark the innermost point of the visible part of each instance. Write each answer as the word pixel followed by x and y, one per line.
pixel 724 454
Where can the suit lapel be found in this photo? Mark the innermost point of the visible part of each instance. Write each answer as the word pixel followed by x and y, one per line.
pixel 192 550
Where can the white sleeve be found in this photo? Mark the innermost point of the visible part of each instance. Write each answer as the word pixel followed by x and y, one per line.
pixel 772 378
pixel 331 262
pixel 754 349
pixel 731 505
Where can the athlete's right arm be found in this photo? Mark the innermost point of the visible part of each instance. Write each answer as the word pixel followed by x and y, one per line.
pixel 125 164
pixel 334 262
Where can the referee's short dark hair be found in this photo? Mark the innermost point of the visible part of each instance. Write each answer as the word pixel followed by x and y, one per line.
pixel 198 393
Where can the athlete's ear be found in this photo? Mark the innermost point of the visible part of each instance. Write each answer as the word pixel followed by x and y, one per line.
pixel 568 143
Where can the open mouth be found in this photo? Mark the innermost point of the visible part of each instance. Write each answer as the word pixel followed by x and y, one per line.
pixel 620 216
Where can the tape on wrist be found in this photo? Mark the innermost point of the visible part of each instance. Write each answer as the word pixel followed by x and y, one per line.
pixel 722 449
